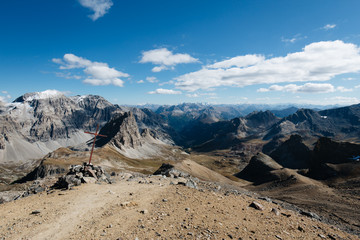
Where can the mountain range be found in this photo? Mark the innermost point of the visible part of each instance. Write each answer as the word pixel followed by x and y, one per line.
pixel 307 157
pixel 37 123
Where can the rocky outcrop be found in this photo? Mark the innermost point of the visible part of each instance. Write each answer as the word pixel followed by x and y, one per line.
pixel 121 131
pixel 42 171
pixel 259 169
pixel 123 134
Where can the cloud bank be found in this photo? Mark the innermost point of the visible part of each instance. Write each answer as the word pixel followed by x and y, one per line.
pixel 319 61
pixel 100 7
pixel 98 73
pixel 165 59
pixel 306 88
pixel 164 91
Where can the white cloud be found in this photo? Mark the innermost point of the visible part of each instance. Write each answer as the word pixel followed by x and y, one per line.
pixel 98 73
pixel 140 81
pixel 100 7
pixel 358 86
pixel 329 26
pixel 195 95
pixel 306 88
pixel 319 61
pixel 240 61
pixel 165 58
pixel 159 68
pixel 5 98
pixel 164 91
pixel 343 89
pixel 152 79
pixel 342 100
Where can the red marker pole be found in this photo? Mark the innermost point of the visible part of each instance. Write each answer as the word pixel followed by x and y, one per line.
pixel 96 134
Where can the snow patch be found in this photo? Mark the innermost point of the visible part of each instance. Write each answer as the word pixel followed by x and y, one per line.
pixel 79 98
pixel 44 95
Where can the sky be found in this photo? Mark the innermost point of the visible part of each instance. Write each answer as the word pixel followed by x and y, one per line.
pixel 169 52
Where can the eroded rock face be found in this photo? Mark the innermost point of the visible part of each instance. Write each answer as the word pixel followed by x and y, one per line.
pixel 37 123
pixel 122 131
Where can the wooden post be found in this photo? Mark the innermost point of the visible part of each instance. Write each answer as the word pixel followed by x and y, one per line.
pixel 96 134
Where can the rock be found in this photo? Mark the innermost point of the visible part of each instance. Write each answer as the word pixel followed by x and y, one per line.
pixel 257 206
pixel 88 180
pixel 144 211
pixel 35 212
pixel 310 214
pixel 8 196
pixel 275 211
pixel 91 172
pixel 164 169
pixel 67 182
pixel 265 199
pixel 191 184
pixel 86 173
pixel 321 236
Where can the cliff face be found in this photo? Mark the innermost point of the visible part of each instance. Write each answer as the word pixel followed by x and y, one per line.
pixel 123 134
pixel 121 131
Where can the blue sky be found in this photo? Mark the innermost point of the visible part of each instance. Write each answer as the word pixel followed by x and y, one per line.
pixel 168 52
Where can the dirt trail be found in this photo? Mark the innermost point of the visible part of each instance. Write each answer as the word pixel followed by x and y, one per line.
pixel 65 214
pixel 153 208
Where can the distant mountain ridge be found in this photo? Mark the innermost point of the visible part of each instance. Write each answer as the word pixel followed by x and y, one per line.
pixel 38 123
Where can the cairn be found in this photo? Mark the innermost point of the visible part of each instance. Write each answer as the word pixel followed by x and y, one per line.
pixel 86 173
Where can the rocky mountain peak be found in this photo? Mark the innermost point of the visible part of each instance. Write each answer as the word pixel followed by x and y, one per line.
pixel 302 115
pixel 261 118
pixel 121 131
pixel 28 97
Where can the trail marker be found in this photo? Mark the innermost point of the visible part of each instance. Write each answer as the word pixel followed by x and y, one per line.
pixel 96 134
